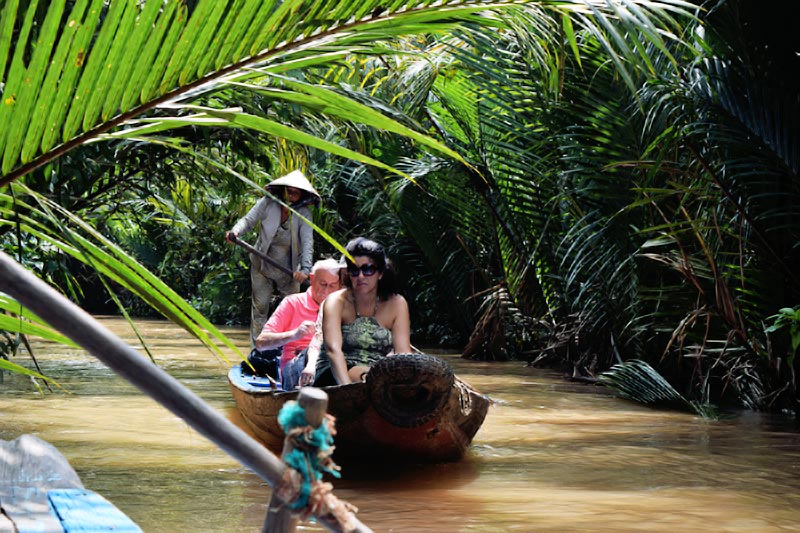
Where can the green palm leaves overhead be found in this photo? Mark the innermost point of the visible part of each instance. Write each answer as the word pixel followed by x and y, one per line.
pixel 74 70
pixel 86 67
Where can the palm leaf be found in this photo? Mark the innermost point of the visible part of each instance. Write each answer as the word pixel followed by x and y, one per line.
pixel 20 320
pixel 82 60
pixel 80 79
pixel 78 239
pixel 18 369
pixel 638 381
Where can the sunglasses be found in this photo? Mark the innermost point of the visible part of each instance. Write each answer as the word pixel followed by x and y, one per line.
pixel 367 270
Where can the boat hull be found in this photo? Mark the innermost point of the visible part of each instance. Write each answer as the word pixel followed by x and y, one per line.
pixel 40 491
pixel 407 410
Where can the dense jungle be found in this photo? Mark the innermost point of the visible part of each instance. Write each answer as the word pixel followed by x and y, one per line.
pixel 609 188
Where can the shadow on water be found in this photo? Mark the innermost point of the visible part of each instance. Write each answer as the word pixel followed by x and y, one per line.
pixel 551 456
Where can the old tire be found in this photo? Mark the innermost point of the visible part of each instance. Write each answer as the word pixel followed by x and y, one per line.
pixel 408 390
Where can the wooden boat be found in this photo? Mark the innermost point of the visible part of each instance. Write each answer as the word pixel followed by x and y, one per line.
pixel 410 408
pixel 39 491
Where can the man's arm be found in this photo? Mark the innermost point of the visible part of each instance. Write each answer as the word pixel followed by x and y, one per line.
pixel 276 332
pixel 312 353
pixel 267 339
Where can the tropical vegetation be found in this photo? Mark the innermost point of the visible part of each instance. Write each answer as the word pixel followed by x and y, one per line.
pixel 584 184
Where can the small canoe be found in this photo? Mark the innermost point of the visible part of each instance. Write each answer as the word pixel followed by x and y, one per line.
pixel 410 408
pixel 39 491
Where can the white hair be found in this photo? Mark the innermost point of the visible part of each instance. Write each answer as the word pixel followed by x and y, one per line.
pixel 332 266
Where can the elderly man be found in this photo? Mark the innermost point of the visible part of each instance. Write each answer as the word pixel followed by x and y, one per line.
pixel 292 324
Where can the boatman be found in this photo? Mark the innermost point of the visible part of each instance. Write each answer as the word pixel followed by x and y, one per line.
pixel 286 239
pixel 292 325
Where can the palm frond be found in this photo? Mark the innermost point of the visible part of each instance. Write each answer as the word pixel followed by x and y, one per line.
pixel 70 77
pixel 80 240
pixel 18 369
pixel 638 381
pixel 86 70
pixel 17 319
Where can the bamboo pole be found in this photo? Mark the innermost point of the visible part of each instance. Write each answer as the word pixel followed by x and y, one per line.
pixel 255 251
pixel 79 326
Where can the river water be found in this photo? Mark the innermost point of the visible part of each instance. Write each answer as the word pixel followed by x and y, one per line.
pixel 551 456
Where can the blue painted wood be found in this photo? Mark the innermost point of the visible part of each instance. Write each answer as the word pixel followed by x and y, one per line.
pixel 29 467
pixel 84 511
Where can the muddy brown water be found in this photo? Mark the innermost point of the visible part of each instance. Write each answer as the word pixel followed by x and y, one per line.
pixel 551 456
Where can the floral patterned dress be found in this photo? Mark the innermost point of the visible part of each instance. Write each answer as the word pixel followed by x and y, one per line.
pixel 364 342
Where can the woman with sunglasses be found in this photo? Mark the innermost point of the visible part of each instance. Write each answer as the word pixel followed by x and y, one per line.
pixel 363 322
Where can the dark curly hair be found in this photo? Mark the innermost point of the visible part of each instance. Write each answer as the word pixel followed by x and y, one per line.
pixel 363 247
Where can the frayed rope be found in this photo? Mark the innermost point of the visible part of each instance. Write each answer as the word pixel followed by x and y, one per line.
pixel 311 449
pixel 309 457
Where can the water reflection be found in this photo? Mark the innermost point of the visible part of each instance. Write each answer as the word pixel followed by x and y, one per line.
pixel 551 456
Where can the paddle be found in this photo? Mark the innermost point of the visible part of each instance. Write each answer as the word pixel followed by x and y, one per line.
pixel 265 257
pixel 82 328
pixel 252 249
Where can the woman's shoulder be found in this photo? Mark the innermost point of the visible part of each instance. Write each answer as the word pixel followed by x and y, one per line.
pixel 334 307
pixel 266 205
pixel 396 301
pixel 336 298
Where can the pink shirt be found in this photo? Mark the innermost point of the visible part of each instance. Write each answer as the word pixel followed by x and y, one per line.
pixel 291 312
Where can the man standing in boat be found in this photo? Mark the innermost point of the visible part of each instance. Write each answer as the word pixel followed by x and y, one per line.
pixel 287 240
pixel 292 325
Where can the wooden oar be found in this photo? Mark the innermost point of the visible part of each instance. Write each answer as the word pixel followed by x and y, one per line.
pixel 79 326
pixel 260 254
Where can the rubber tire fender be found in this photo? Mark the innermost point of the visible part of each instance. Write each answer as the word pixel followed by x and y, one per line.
pixel 409 389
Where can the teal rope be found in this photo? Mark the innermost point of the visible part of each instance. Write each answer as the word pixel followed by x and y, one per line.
pixel 311 454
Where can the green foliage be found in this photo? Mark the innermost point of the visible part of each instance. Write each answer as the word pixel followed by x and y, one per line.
pixel 563 182
pixel 78 72
pixel 60 229
pixel 180 236
pixel 789 319
pixel 655 224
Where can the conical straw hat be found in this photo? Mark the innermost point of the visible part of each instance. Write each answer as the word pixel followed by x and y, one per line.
pixel 295 179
